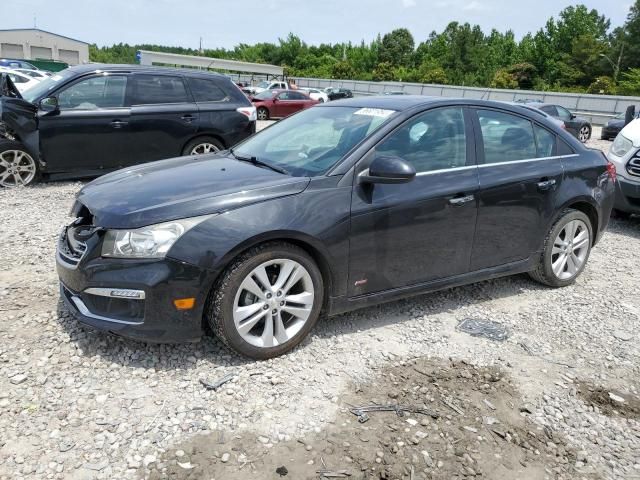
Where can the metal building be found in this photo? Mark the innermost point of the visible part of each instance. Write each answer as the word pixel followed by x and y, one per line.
pixel 36 44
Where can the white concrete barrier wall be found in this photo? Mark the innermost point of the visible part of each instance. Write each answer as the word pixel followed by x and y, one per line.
pixel 597 108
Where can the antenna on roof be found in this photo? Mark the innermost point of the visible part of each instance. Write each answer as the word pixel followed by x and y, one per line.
pixel 35 23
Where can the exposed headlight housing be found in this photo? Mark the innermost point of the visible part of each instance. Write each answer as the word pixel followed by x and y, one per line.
pixel 621 146
pixel 153 241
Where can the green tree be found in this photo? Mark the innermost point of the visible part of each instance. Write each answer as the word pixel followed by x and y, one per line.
pixel 397 48
pixel 603 86
pixel 383 72
pixel 504 79
pixel 630 83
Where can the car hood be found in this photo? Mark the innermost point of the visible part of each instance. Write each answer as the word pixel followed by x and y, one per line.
pixel 180 188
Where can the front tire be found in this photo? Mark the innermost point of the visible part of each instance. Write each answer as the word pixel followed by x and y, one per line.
pixel 267 300
pixel 17 166
pixel 566 250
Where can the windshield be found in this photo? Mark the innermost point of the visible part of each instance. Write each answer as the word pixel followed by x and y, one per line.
pixel 311 142
pixel 46 85
pixel 265 95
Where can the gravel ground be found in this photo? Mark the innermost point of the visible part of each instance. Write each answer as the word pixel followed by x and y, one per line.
pixel 79 404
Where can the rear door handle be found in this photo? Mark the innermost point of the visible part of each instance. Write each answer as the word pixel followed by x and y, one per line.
pixel 459 201
pixel 118 124
pixel 545 185
pixel 188 118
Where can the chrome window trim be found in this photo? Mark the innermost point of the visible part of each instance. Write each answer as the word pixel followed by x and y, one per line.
pixel 484 165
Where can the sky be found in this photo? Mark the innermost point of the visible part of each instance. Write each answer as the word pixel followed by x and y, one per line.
pixel 226 23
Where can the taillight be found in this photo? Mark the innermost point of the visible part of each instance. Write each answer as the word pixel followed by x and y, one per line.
pixel 611 171
pixel 563 126
pixel 250 112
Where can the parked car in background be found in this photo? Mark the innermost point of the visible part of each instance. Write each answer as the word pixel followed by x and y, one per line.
pixel 577 126
pixel 336 93
pixel 271 85
pixel 614 126
pixel 625 155
pixel 394 92
pixel 344 205
pixel 316 94
pixel 37 74
pixel 281 103
pixel 91 119
pixel 15 63
pixel 22 81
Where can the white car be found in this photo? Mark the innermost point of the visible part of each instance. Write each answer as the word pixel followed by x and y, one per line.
pixel 316 94
pixel 37 74
pixel 625 155
pixel 20 80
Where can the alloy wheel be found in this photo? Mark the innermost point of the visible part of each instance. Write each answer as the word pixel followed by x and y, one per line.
pixel 203 148
pixel 17 168
pixel 273 303
pixel 570 250
pixel 262 114
pixel 584 134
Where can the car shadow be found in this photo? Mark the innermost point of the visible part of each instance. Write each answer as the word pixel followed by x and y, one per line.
pixel 628 226
pixel 174 357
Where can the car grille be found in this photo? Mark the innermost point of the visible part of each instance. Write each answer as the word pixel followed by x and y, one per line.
pixel 633 167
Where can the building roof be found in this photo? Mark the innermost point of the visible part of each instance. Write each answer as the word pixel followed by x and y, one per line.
pixel 40 30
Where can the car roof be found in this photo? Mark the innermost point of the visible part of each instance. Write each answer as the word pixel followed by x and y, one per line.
pixel 400 103
pixel 103 67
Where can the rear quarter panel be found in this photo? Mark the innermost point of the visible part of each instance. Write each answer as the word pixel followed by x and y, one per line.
pixel 586 181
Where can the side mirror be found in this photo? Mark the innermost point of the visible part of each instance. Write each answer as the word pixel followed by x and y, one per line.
pixel 388 169
pixel 49 104
pixel 275 99
pixel 573 115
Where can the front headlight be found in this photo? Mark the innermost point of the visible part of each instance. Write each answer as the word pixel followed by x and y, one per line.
pixel 153 241
pixel 621 146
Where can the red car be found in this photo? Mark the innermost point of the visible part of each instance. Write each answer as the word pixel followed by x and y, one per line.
pixel 281 103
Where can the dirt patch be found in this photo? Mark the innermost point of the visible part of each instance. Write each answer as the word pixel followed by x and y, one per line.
pixel 448 420
pixel 610 402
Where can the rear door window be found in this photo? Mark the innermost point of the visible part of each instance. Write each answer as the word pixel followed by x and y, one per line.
pixel 157 89
pixel 545 141
pixel 506 137
pixel 207 90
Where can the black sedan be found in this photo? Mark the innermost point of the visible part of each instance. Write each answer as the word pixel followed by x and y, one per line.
pixel 340 206
pixel 613 126
pixel 579 127
pixel 335 93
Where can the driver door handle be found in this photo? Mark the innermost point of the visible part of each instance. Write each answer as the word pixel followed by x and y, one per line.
pixel 459 201
pixel 118 123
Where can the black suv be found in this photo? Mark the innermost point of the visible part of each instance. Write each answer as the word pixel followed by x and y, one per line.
pixel 90 119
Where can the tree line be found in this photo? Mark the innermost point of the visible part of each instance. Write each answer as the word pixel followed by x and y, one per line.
pixel 577 51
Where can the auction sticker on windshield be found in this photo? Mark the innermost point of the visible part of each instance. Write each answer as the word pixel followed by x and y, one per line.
pixel 374 112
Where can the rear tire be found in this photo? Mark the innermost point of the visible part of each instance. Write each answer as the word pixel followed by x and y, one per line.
pixel 264 321
pixel 584 133
pixel 17 166
pixel 566 250
pixel 263 113
pixel 202 146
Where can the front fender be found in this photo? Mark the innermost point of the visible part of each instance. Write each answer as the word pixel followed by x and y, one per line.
pixel 318 218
